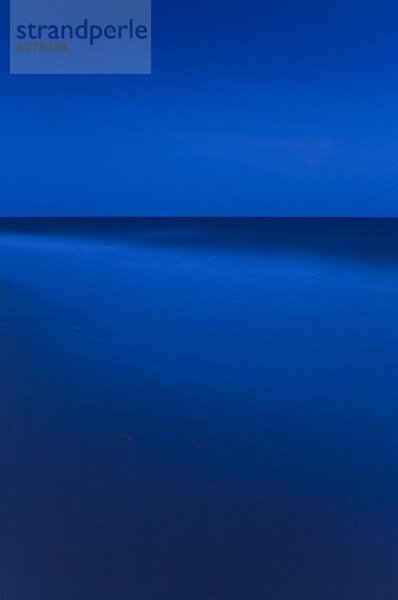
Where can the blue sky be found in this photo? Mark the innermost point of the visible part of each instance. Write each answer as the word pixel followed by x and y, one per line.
pixel 260 107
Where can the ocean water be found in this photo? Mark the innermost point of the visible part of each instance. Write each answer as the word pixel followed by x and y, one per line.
pixel 198 409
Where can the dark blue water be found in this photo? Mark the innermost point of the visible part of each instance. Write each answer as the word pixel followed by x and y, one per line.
pixel 199 409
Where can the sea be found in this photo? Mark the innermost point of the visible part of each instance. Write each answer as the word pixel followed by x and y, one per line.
pixel 198 409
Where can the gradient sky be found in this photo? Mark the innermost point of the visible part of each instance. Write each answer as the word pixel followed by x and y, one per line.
pixel 260 107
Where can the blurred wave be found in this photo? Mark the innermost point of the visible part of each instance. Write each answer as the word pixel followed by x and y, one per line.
pixel 198 409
